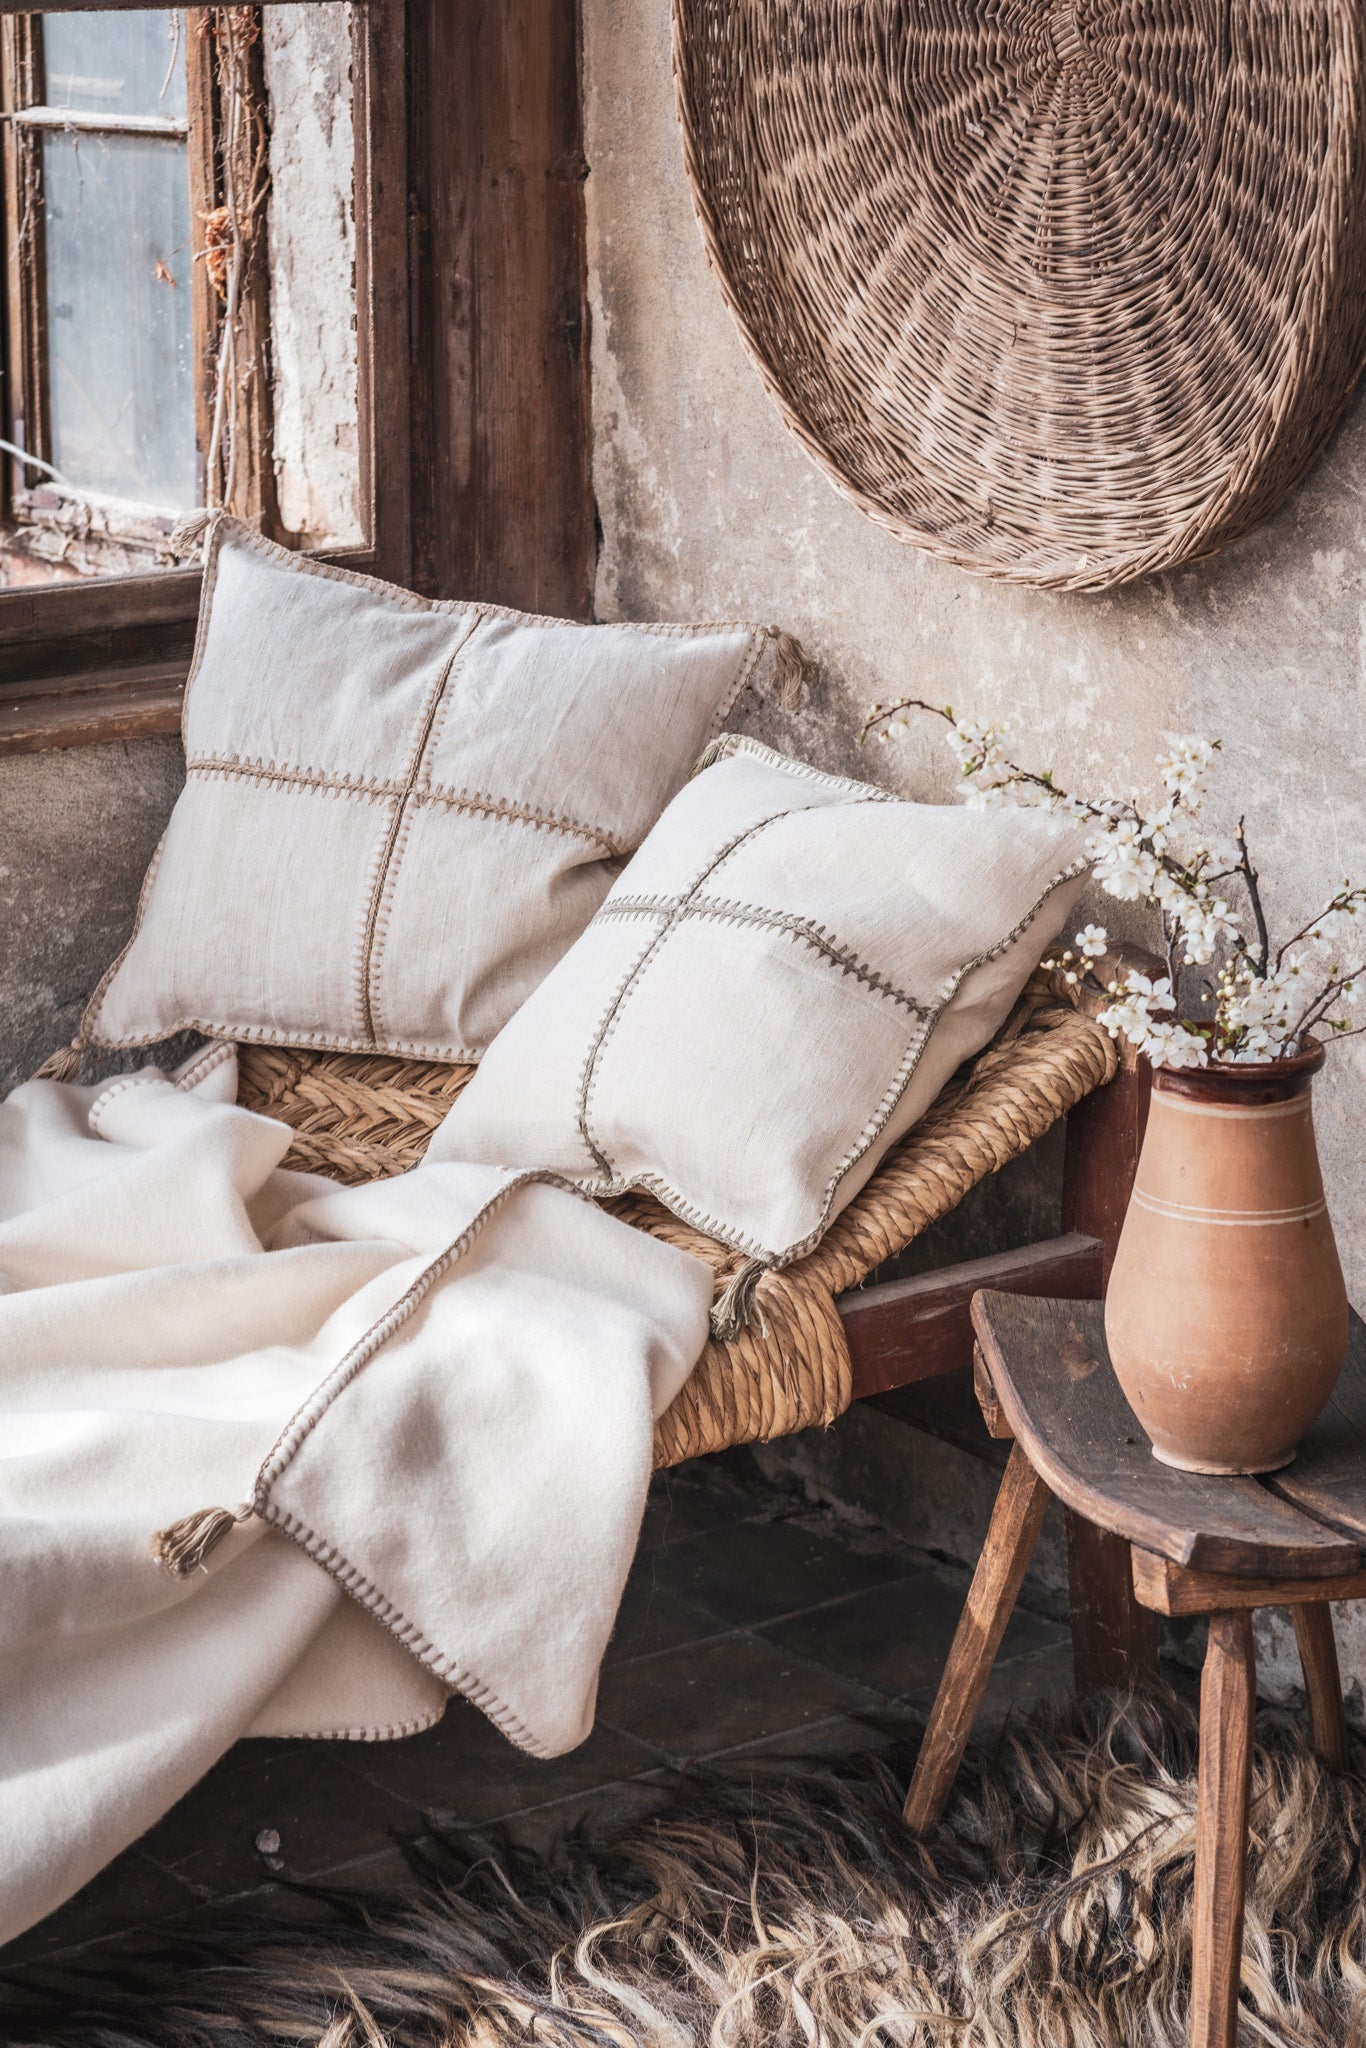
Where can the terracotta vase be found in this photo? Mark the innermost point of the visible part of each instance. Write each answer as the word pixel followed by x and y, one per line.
pixel 1226 1315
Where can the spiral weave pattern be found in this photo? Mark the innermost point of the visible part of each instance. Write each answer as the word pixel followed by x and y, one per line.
pixel 1067 291
pixel 357 1117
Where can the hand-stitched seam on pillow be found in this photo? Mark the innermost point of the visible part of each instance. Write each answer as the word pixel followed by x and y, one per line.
pixel 523 814
pixel 383 917
pixel 225 526
pixel 85 1031
pixel 611 1016
pixel 387 862
pixel 209 582
pixel 295 1041
pixel 802 928
pixel 911 1058
pixel 717 1227
pixel 732 743
pixel 231 768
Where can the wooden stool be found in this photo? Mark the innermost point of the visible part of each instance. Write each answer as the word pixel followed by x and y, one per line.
pixel 1221 1547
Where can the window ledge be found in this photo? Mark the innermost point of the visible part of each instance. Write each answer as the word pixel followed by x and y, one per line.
pixel 79 711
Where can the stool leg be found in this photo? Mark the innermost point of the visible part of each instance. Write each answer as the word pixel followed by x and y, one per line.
pixel 1015 1521
pixel 1322 1683
pixel 1228 1699
pixel 1114 1640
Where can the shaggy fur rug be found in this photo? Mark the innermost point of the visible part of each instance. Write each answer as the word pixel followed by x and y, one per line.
pixel 784 1904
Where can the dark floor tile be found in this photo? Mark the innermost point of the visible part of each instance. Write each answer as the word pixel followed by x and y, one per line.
pixel 595 1815
pixel 309 1794
pixel 652 1617
pixel 712 1696
pixel 895 1638
pixel 1016 1685
pixel 467 1773
pixel 840 1736
pixel 690 1499
pixel 765 1569
pixel 131 1892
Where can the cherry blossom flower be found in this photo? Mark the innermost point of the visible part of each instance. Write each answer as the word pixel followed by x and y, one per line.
pixel 1259 1004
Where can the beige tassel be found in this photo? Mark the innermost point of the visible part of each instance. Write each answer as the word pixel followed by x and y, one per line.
pixel 183 1547
pixel 719 749
pixel 794 672
pixel 187 535
pixel 735 1306
pixel 63 1064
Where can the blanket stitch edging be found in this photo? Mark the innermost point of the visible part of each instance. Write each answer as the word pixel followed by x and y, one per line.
pixel 215 1523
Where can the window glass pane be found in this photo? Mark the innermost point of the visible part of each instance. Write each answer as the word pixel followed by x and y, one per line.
pixel 119 327
pixel 124 63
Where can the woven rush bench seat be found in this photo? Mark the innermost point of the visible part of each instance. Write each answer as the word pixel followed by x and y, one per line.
pixel 358 1117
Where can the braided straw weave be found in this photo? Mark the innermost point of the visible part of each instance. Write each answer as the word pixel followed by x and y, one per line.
pixel 1063 290
pixel 357 1118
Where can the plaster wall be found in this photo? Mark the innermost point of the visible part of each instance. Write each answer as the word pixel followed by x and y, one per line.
pixel 77 829
pixel 709 508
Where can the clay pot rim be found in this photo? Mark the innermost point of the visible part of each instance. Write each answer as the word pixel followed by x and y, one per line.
pixel 1253 1080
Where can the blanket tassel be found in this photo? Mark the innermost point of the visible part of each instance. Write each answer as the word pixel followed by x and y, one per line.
pixel 735 1306
pixel 183 1547
pixel 63 1064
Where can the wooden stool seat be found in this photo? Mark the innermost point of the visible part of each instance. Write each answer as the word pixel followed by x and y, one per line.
pixel 1199 1545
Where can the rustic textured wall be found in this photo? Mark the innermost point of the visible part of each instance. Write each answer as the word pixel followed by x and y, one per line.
pixel 77 829
pixel 708 506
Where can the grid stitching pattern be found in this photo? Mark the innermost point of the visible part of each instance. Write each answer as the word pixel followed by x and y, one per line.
pixel 400 796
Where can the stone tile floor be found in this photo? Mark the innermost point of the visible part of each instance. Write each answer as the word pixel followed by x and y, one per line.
pixel 752 1621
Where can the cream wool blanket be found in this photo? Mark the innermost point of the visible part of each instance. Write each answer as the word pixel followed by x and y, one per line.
pixel 441 1387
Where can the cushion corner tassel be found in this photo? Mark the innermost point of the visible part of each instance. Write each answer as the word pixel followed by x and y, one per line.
pixel 795 673
pixel 735 1306
pixel 183 1547
pixel 62 1065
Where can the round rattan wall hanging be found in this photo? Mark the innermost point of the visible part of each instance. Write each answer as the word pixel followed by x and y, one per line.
pixel 1063 292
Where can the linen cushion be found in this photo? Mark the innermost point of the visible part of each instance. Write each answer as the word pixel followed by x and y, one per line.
pixel 399 813
pixel 775 989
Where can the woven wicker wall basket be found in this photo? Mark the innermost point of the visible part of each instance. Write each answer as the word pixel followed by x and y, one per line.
pixel 1067 293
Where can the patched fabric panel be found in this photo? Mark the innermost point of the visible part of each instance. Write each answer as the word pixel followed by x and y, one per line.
pixel 400 813
pixel 776 988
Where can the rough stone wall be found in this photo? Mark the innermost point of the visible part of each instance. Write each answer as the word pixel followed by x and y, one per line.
pixel 77 829
pixel 709 507
pixel 307 58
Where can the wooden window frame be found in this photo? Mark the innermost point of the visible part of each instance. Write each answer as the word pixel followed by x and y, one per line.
pixel 107 658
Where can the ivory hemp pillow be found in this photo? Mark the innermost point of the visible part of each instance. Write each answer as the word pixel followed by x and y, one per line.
pixel 399 812
pixel 776 988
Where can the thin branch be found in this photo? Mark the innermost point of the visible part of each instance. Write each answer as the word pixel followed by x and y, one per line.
pixel 1344 897
pixel 1251 880
pixel 1318 1008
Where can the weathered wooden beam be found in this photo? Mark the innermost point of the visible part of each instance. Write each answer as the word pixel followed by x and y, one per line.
pixel 900 1331
pixel 503 506
pixel 1182 1589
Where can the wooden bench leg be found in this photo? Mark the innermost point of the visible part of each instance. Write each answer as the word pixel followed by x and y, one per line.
pixel 1015 1522
pixel 1114 1640
pixel 1228 1698
pixel 1322 1682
